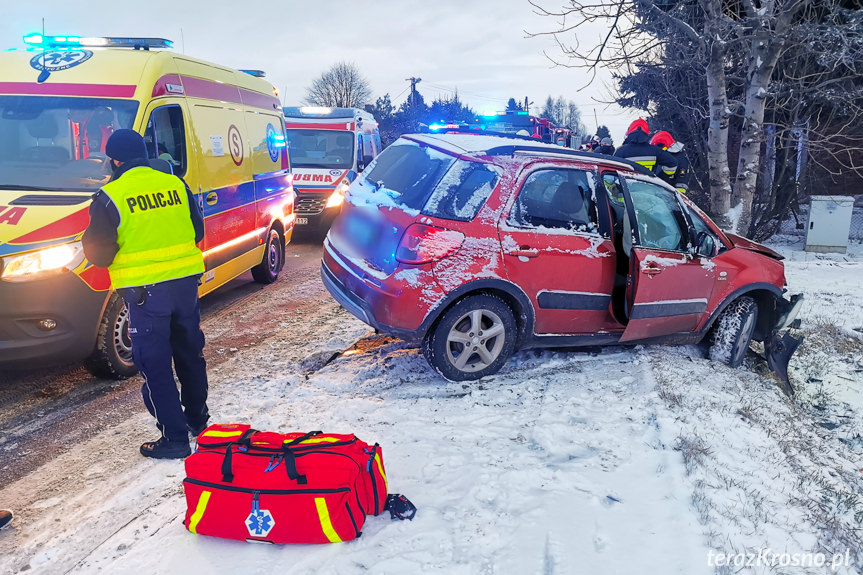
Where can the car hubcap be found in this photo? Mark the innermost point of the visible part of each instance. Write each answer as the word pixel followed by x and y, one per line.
pixel 273 256
pixel 475 340
pixel 122 341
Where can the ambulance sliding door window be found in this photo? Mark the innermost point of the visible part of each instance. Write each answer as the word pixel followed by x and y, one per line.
pixel 166 137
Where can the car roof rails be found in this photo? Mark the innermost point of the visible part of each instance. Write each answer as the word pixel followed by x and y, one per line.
pixel 513 150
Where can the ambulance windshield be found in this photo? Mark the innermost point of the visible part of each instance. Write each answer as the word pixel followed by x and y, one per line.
pixel 321 148
pixel 58 143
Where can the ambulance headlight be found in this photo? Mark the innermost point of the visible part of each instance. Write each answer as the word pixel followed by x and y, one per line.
pixel 42 263
pixel 337 198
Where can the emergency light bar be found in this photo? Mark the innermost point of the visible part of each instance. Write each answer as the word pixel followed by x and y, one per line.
pixel 255 73
pixel 40 41
pixel 317 111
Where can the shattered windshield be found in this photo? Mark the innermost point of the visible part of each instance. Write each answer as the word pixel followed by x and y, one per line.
pixel 58 143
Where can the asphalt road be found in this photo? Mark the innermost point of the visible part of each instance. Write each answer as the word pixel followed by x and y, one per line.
pixel 44 411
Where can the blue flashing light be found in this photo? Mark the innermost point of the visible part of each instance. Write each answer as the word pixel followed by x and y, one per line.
pixel 436 127
pixel 87 42
pixel 489 114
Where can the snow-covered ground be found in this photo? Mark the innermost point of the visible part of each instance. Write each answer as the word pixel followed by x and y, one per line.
pixel 628 460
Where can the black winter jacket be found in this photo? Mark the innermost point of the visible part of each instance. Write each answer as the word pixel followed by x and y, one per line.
pixel 637 148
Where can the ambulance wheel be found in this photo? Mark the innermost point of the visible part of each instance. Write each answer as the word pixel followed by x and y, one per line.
pixel 268 270
pixel 733 332
pixel 472 339
pixel 112 357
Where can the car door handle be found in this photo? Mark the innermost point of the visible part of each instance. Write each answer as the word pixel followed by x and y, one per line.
pixel 212 198
pixel 651 269
pixel 524 252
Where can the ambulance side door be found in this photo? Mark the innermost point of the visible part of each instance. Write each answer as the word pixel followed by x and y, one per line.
pixel 227 188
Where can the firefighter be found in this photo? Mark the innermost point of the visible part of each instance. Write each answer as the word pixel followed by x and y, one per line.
pixel 681 176
pixel 637 148
pixel 144 227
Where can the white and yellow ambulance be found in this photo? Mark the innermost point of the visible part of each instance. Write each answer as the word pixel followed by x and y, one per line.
pixel 329 147
pixel 220 129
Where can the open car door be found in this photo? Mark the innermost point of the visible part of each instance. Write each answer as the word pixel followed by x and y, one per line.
pixel 667 288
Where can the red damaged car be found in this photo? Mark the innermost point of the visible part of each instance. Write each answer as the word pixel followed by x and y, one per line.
pixel 476 246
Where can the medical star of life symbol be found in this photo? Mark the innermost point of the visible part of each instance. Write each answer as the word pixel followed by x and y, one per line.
pixel 260 522
pixel 59 60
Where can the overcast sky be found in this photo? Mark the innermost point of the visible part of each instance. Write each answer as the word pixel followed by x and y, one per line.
pixel 476 46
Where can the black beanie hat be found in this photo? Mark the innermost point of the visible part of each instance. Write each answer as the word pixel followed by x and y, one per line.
pixel 125 145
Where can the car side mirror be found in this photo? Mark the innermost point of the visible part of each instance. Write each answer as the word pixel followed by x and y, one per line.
pixel 705 246
pixel 361 165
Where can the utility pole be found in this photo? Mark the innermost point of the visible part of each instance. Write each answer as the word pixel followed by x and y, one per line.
pixel 414 82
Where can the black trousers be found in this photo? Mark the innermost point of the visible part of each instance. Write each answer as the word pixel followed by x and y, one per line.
pixel 165 328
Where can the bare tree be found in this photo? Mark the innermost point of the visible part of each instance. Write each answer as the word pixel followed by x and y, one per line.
pixel 751 55
pixel 341 86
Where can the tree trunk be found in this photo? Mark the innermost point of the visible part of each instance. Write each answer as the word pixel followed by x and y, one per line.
pixel 717 137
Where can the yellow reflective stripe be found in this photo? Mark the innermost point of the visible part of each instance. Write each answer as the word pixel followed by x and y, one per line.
pixel 135 275
pixel 326 524
pixel 381 469
pixel 215 433
pixel 156 254
pixel 199 511
pixel 321 440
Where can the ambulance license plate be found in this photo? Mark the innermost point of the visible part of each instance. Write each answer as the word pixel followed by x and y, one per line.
pixel 302 221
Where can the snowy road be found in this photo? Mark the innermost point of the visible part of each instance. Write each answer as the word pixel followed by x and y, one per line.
pixel 629 460
pixel 44 412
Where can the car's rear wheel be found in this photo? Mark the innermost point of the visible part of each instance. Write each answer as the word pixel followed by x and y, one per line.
pixel 268 270
pixel 472 339
pixel 733 331
pixel 112 357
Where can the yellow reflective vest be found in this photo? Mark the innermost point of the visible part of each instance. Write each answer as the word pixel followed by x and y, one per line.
pixel 156 237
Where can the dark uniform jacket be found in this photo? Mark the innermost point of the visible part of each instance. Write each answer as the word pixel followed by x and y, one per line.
pixel 100 239
pixel 637 148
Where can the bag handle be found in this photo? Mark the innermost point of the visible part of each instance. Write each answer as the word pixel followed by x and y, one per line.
pixel 291 465
pixel 303 438
pixel 245 440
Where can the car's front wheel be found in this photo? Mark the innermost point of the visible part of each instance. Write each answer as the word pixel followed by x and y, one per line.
pixel 733 331
pixel 472 339
pixel 112 357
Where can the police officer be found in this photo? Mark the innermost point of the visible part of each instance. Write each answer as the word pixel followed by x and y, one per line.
pixel 681 176
pixel 637 148
pixel 144 227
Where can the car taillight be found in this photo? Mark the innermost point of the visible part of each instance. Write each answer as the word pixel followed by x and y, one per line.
pixel 422 244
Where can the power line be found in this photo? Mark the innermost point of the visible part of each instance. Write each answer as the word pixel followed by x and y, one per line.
pixel 457 91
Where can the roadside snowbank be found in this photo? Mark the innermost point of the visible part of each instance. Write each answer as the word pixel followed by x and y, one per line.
pixel 629 460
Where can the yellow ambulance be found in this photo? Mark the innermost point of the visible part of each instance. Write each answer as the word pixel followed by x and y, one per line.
pixel 221 130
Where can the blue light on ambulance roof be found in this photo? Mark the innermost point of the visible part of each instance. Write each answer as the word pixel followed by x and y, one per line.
pixel 436 127
pixel 78 41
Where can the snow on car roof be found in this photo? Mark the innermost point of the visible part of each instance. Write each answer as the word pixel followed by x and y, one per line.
pixel 477 143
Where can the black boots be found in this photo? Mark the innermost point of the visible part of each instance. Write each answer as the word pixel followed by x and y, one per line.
pixel 164 449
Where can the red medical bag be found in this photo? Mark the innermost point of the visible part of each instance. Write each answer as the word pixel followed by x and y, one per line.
pixel 282 488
